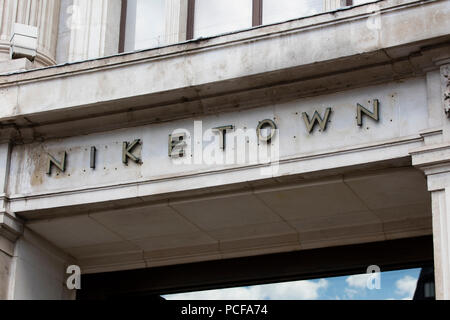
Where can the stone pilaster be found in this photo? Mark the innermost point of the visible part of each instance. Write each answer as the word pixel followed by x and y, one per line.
pixel 434 160
pixel 95 29
pixel 438 181
pixel 330 5
pixel 43 14
pixel 443 62
pixel 176 21
pixel 10 227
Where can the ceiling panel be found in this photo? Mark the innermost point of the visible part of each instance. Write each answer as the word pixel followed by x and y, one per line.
pixel 252 231
pixel 176 241
pixel 74 231
pixel 404 212
pixel 341 236
pixel 114 248
pixel 337 221
pixel 144 222
pixel 393 188
pixel 324 199
pixel 233 211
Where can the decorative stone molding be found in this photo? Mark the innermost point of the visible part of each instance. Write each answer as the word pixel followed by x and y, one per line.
pixel 445 84
pixel 43 14
pixel 10 227
pixel 24 42
pixel 443 62
pixel 15 65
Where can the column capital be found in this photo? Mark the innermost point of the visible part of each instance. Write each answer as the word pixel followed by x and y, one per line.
pixel 431 156
pixel 434 161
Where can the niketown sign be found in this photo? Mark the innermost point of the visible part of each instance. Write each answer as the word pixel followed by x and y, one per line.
pixel 178 144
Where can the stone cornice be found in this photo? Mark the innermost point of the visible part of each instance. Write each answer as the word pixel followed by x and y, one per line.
pixel 198 77
pixel 328 19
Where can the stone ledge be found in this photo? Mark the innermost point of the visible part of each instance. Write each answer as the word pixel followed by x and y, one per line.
pixel 431 156
pixel 10 227
pixel 15 65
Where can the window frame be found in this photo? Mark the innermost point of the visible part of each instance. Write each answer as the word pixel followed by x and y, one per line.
pixel 257 15
pixel 123 24
pixel 257 10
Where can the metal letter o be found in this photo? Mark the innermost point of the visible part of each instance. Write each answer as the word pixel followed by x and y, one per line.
pixel 266 122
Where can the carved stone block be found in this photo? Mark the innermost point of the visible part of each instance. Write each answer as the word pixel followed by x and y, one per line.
pixel 24 40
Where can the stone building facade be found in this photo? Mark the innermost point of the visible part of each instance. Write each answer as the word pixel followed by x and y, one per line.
pixel 129 147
